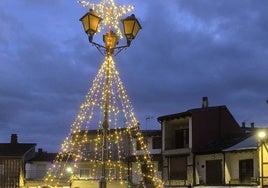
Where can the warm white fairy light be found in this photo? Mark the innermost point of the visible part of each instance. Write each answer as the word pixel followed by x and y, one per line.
pixel 110 13
pixel 118 132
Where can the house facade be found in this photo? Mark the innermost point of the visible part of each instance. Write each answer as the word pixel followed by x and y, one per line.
pixel 13 157
pixel 153 142
pixel 89 169
pixel 123 146
pixel 36 169
pixel 87 172
pixel 199 147
pixel 242 162
pixel 193 149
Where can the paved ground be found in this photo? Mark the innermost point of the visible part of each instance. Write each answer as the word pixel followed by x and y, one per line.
pixel 119 185
pixel 95 184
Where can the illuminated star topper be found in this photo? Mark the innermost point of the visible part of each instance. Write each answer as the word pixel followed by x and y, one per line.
pixel 110 13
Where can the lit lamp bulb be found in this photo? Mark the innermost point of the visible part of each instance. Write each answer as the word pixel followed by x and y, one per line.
pixel 262 134
pixel 69 170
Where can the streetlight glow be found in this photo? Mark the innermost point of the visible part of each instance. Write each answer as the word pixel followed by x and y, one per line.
pixel 69 169
pixel 261 134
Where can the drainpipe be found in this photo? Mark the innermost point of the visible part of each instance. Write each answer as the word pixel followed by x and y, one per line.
pixel 194 175
pixel 224 168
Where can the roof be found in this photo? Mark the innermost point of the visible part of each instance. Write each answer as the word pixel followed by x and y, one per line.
pixel 15 149
pixel 44 156
pixel 188 113
pixel 221 144
pixel 251 143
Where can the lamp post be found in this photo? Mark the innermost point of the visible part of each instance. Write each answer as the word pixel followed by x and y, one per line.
pixel 70 171
pixel 261 136
pixel 131 26
pixel 90 23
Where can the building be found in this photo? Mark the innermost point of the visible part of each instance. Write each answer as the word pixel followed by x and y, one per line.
pixel 242 162
pixel 13 157
pixel 36 168
pixel 195 148
pixel 124 148
pixel 88 169
pixel 199 147
pixel 153 142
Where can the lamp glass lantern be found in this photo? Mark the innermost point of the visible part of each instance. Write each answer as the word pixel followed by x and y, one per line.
pixel 90 22
pixel 110 39
pixel 131 27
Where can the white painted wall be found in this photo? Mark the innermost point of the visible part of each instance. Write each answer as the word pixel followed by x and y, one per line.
pixel 36 170
pixel 149 141
pixel 200 164
pixel 232 163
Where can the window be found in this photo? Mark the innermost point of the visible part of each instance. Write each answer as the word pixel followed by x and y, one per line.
pixel 178 168
pixel 84 173
pixel 114 149
pixel 245 170
pixel 182 138
pixel 87 149
pixel 1 169
pixel 157 142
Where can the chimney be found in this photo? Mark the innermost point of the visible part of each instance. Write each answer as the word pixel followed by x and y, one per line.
pixel 204 102
pixel 252 125
pixel 40 151
pixel 243 124
pixel 14 139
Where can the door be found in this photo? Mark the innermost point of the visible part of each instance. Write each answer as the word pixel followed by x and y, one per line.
pixel 245 170
pixel 214 172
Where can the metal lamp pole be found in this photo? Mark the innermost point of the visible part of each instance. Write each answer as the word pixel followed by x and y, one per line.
pixel 261 136
pixel 261 164
pixel 105 126
pixel 131 26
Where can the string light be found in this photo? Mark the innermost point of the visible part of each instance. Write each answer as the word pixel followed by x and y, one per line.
pixel 106 96
pixel 121 133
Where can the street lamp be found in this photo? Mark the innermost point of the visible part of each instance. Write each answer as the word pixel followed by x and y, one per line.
pixel 90 23
pixel 261 136
pixel 110 40
pixel 131 25
pixel 131 28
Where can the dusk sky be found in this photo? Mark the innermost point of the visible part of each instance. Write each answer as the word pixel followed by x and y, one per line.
pixel 186 50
